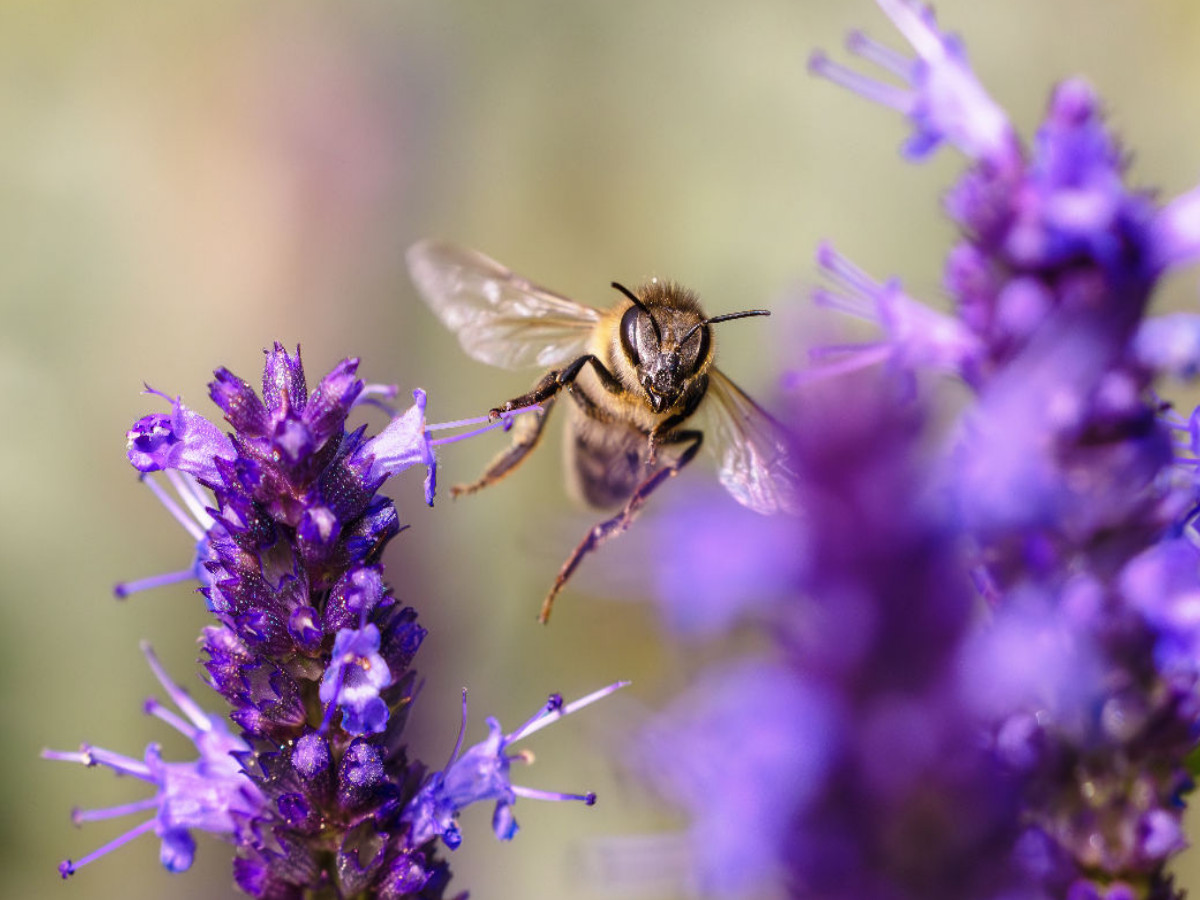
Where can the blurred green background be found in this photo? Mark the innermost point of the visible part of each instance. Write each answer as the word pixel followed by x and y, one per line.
pixel 184 182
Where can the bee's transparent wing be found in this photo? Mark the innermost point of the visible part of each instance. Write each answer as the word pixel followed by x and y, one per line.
pixel 500 318
pixel 751 449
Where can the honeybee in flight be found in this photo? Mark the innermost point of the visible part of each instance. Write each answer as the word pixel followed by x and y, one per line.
pixel 636 374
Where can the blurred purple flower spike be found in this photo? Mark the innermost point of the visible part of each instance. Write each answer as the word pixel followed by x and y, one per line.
pixel 1001 618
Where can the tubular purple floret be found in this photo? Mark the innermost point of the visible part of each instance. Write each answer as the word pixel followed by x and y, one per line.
pixel 207 794
pixel 858 294
pixel 194 496
pixel 481 773
pixel 404 442
pixel 382 391
pixel 868 88
pixel 68 867
pixel 917 25
pixel 554 710
pixel 90 756
pixel 199 521
pixel 183 440
pixel 942 98
pixel 123 589
pixel 489 424
pixel 857 307
pixel 79 816
pixel 864 354
pixel 588 799
pixel 152 707
pixel 1186 432
pixel 462 731
pixel 284 386
pixel 837 360
pixel 352 682
pixel 1176 231
pixel 1169 345
pixel 193 515
pixel 243 409
pixel 201 720
pixel 549 708
pixel 872 51
pixel 916 334
pixel 379 396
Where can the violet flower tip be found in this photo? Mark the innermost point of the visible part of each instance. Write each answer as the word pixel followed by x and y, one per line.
pixel 147 389
pixel 589 799
pixel 66 869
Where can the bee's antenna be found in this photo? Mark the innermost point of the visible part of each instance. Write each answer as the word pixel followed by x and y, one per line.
pixel 640 305
pixel 725 318
pixel 737 315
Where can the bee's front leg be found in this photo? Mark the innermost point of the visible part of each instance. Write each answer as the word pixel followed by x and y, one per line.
pixel 542 392
pixel 619 523
pixel 527 433
pixel 557 379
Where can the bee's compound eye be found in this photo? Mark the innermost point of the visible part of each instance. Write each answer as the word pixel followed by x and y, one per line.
pixel 629 329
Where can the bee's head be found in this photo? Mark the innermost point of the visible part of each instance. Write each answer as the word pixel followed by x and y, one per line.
pixel 668 342
pixel 652 336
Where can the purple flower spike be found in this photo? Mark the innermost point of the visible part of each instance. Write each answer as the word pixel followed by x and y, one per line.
pixel 289 535
pixel 1076 503
pixel 211 793
pixel 354 679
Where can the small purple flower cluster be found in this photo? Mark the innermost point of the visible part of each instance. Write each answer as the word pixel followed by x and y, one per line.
pixel 310 649
pixel 984 662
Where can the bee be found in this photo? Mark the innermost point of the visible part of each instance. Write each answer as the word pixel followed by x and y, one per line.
pixel 635 374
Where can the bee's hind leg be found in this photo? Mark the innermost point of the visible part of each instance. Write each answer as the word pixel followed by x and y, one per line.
pixel 620 523
pixel 527 432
